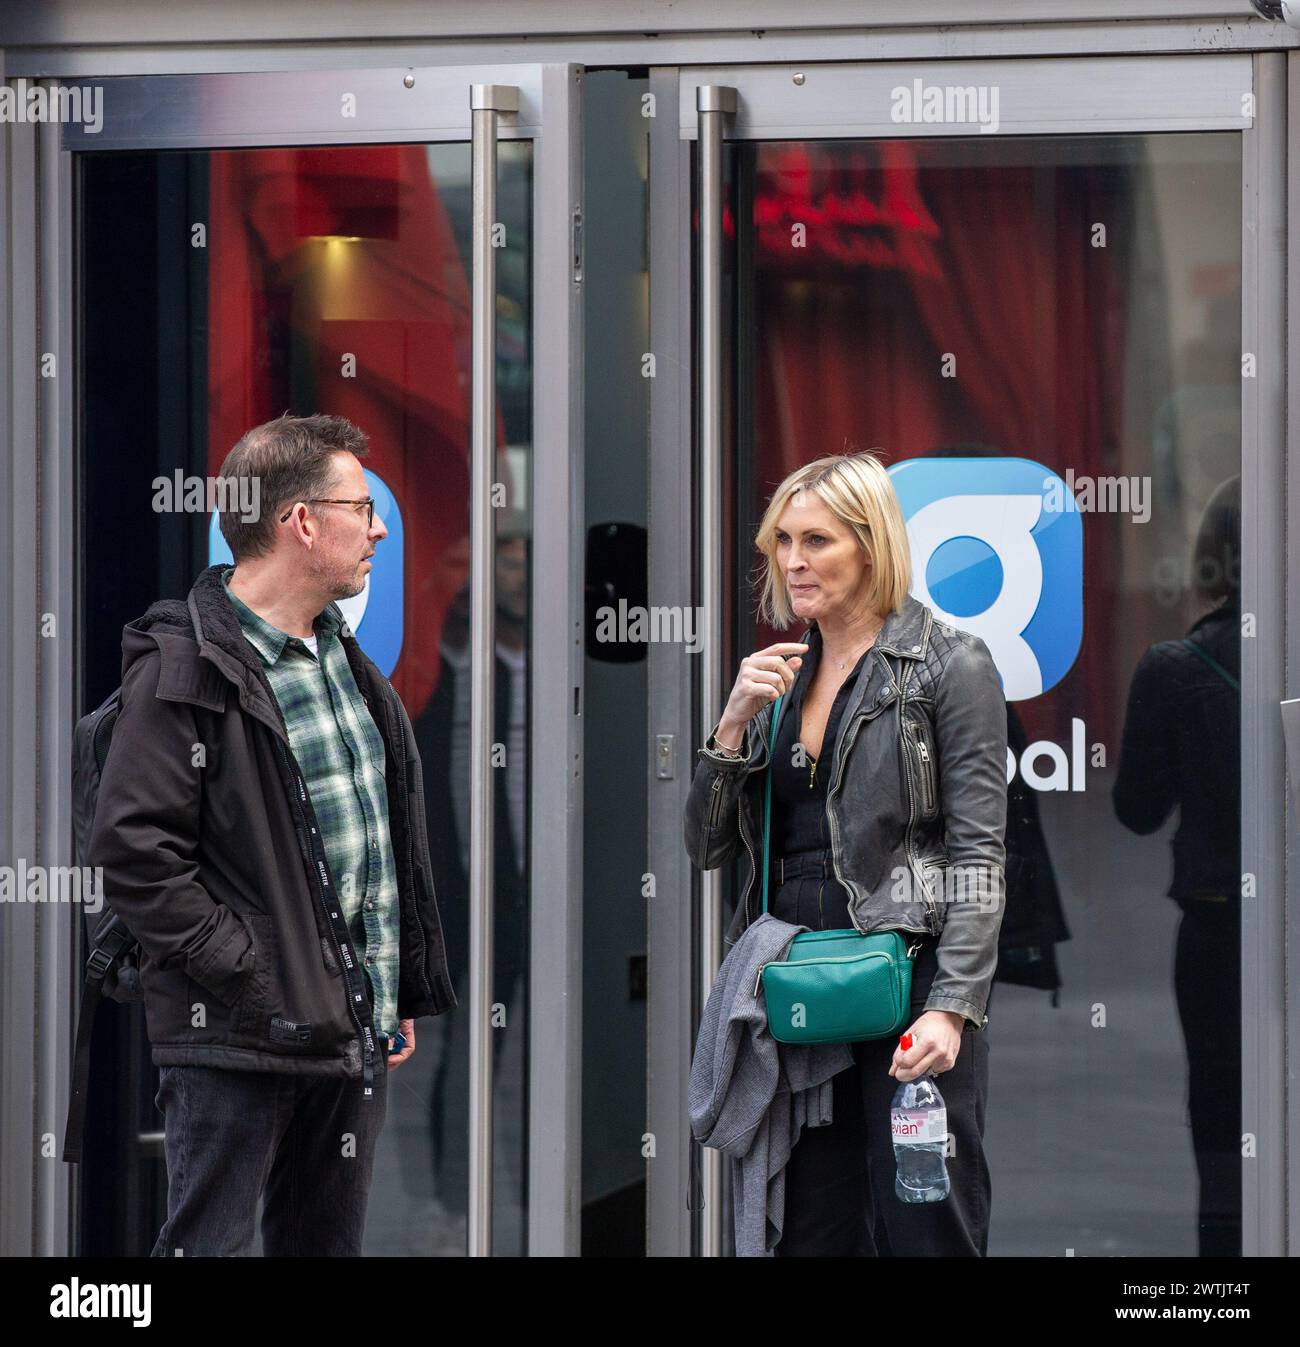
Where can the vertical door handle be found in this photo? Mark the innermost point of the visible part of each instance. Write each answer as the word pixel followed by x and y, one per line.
pixel 712 103
pixel 487 103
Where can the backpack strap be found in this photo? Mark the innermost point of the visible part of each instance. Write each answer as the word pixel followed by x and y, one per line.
pixel 115 939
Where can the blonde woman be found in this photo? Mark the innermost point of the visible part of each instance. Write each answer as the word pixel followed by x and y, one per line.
pixel 888 812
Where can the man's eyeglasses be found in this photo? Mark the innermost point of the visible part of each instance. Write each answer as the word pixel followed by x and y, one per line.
pixel 367 501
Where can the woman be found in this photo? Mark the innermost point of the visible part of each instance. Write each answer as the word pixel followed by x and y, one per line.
pixel 888 812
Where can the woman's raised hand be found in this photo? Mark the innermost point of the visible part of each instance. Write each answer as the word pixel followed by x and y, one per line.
pixel 764 676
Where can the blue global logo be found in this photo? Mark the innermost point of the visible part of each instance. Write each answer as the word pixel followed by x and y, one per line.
pixel 997 550
pixel 375 615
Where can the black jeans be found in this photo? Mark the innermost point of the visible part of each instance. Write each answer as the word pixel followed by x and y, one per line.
pixel 839 1181
pixel 308 1141
pixel 1207 984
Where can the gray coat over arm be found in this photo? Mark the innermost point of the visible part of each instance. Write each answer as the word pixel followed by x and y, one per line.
pixel 750 1096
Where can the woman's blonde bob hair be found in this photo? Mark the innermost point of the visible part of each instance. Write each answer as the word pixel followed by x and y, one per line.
pixel 857 491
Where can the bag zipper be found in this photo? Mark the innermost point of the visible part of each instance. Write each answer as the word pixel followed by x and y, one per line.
pixel 832 958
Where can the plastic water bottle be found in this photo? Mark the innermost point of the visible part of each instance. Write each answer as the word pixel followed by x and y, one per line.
pixel 919 1122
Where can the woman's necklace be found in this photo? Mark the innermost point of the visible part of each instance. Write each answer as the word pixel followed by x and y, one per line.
pixel 843 664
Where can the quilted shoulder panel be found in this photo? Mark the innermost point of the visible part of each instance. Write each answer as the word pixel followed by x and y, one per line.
pixel 924 678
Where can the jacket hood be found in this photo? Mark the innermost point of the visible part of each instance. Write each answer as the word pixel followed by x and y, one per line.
pixel 202 645
pixel 166 615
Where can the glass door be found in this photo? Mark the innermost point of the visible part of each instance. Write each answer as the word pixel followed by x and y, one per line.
pixel 349 242
pixel 1022 284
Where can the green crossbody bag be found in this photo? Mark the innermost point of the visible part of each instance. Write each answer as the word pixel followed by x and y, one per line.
pixel 833 986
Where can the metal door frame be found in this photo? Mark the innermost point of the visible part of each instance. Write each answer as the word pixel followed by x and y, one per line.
pixel 233 111
pixel 1052 95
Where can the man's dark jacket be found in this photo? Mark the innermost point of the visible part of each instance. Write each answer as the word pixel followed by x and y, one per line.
pixel 212 855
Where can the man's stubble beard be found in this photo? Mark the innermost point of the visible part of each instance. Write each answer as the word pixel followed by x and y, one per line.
pixel 336 586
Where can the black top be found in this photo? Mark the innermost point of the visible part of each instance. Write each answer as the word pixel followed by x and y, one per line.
pixel 799 792
pixel 1181 749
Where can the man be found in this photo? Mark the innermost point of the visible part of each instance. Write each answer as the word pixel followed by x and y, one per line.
pixel 261 830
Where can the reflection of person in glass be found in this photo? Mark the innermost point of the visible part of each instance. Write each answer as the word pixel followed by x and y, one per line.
pixel 1181 750
pixel 1033 923
pixel 442 733
pixel 917 711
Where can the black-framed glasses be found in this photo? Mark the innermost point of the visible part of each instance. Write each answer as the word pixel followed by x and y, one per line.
pixel 367 501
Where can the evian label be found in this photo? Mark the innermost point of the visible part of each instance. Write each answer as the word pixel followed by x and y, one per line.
pixel 919 1126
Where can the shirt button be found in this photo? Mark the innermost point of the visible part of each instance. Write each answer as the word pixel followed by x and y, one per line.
pixel 370 907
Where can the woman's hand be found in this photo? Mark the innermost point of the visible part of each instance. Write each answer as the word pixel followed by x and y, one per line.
pixel 936 1041
pixel 764 676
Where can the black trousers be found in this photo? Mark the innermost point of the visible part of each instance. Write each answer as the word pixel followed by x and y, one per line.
pixel 839 1181
pixel 1207 984
pixel 304 1144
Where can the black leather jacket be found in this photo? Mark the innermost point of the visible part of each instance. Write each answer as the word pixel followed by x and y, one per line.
pixel 917 802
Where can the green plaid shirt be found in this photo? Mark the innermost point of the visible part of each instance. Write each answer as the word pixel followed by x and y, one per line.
pixel 341 754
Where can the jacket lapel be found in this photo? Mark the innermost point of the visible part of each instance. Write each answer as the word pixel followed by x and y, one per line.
pixel 905 634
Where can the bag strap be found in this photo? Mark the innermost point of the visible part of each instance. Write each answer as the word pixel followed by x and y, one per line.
pixel 1197 649
pixel 767 796
pixel 76 1124
pixel 113 939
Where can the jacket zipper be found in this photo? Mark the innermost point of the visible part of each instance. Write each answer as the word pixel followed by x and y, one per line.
pixel 830 814
pixel 931 915
pixel 753 861
pixel 711 818
pixel 927 769
pixel 716 807
pixel 348 967
pixel 755 881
